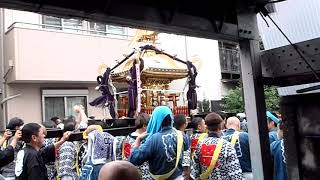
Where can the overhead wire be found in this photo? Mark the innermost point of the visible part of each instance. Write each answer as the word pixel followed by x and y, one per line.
pixel 264 12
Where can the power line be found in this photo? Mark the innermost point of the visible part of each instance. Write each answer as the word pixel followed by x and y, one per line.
pixel 265 12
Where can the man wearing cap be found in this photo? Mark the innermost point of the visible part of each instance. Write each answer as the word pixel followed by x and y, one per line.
pixel 273 121
pixel 215 158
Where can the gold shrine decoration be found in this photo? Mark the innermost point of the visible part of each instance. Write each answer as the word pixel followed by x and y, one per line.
pixel 154 93
pixel 144 36
pixel 154 83
pixel 156 73
pixel 102 68
pixel 154 60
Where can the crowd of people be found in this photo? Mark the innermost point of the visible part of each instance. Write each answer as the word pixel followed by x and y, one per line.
pixel 162 147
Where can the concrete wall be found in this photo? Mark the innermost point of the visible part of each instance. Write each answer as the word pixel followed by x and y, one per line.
pixel 28 106
pixel 10 54
pixel 226 87
pixel 56 56
pixel 209 73
pixel 12 16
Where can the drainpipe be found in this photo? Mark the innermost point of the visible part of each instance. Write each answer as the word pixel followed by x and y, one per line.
pixel 2 62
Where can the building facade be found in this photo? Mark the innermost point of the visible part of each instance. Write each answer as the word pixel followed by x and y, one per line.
pixel 50 64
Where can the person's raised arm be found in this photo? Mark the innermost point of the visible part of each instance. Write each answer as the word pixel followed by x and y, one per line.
pixel 81 117
pixel 17 136
pixel 6 135
pixel 141 153
pixel 92 128
pixel 64 138
pixel 138 140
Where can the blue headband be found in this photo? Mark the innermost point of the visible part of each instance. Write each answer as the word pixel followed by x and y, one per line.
pixel 272 117
pixel 157 117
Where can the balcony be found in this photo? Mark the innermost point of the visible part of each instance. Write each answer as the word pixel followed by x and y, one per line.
pixel 34 53
pixel 230 64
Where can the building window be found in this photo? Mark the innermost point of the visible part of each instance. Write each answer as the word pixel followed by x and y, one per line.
pixel 116 31
pixel 229 57
pixel 72 24
pixel 60 102
pixel 75 25
pixel 59 23
pixel 97 28
pixel 52 22
pixel 229 62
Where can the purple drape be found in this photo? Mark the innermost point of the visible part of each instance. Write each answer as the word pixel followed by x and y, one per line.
pixel 107 98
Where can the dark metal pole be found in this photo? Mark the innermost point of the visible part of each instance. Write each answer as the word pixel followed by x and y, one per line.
pixel 255 110
pixel 254 96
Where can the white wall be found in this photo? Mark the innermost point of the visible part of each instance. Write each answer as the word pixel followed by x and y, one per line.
pixel 12 16
pixel 209 74
pixel 175 45
pixel 209 78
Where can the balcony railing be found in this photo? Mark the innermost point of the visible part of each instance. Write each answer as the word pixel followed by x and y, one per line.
pixel 229 60
pixel 64 29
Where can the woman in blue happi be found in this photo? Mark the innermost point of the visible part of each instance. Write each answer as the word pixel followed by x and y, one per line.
pixel 163 147
pixel 278 155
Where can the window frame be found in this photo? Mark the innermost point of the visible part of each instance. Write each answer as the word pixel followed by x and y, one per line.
pixel 63 26
pixel 95 31
pixel 112 32
pixel 71 28
pixel 85 26
pixel 65 93
pixel 50 26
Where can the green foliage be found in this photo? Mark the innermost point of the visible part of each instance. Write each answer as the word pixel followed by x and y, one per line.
pixel 233 102
pixel 272 98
